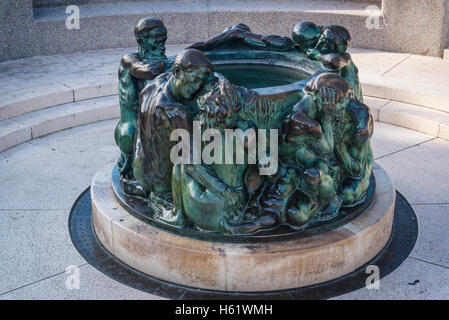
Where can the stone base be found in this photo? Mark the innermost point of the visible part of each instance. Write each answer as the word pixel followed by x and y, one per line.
pixel 255 267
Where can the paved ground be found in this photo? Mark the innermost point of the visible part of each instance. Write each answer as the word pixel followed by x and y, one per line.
pixel 41 179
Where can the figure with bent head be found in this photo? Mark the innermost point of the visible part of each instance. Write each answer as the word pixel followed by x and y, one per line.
pixel 330 132
pixel 328 45
pixel 212 195
pixel 165 105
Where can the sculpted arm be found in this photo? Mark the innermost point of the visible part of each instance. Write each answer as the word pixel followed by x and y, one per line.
pixel 357 138
pixel 305 105
pixel 351 166
pixel 143 70
pixel 206 178
pixel 211 42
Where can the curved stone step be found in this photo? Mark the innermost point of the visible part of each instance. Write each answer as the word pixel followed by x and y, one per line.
pixel 422 119
pixel 38 123
pixel 16 103
pixel 41 82
pixel 62 79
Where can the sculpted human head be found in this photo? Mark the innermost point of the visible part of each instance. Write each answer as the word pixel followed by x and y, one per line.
pixel 151 36
pixel 191 71
pixel 305 35
pixel 330 87
pixel 333 39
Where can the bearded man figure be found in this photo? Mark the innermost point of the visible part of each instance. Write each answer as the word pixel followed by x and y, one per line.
pixel 135 70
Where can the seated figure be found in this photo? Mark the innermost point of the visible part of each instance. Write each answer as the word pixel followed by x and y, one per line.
pixel 328 45
pixel 241 37
pixel 355 153
pixel 330 133
pixel 209 195
pixel 309 145
pixel 165 105
pixel 327 129
pixel 212 196
pixel 135 69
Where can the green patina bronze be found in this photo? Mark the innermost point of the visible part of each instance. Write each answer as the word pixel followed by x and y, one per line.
pixel 328 45
pixel 306 88
pixel 134 71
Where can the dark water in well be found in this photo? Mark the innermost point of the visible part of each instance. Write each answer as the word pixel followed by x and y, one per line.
pixel 260 76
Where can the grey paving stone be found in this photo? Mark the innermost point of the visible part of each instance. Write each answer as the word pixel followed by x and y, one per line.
pixel 40 70
pixel 411 116
pixel 19 102
pixel 421 173
pixel 413 280
pixel 94 140
pixel 433 240
pixel 35 244
pixel 38 177
pixel 100 61
pixel 388 138
pixel 93 285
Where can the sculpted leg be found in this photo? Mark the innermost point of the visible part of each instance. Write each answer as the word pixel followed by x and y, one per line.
pixel 205 207
pixel 175 216
pixel 354 190
pixel 124 137
pixel 196 200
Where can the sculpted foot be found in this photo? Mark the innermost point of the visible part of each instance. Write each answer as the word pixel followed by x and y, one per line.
pixel 164 210
pixel 331 209
pixel 132 188
pixel 266 221
pixel 173 217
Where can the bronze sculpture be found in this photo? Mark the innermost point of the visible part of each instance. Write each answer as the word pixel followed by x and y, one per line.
pixel 240 36
pixel 328 44
pixel 164 107
pixel 135 69
pixel 320 158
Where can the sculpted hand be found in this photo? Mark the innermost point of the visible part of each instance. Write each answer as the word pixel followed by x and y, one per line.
pixel 157 67
pixel 312 54
pixel 161 66
pixel 327 98
pixel 210 106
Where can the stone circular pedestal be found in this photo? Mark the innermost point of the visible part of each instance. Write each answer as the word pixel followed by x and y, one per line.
pixel 242 267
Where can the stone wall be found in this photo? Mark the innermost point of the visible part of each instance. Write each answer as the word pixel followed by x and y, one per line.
pixel 413 26
pixel 51 3
pixel 54 3
pixel 16 29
